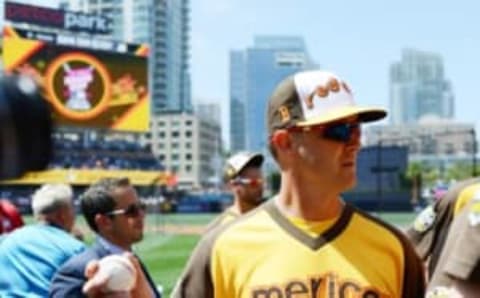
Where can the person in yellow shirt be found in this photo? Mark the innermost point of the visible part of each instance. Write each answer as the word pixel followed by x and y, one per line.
pixel 307 241
pixel 243 175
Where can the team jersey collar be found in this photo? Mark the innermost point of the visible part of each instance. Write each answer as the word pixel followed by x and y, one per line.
pixel 313 243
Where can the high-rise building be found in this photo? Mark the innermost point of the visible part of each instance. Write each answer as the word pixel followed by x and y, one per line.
pixel 165 26
pixel 237 100
pixel 188 145
pixel 254 72
pixel 418 88
pixel 74 5
pixel 210 111
pixel 178 55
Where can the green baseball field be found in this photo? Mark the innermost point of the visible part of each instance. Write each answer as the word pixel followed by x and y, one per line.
pixel 170 238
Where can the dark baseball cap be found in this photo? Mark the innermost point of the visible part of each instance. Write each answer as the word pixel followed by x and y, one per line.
pixel 314 97
pixel 239 161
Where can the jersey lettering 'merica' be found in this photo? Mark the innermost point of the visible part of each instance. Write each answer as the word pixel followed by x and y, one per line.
pixel 327 286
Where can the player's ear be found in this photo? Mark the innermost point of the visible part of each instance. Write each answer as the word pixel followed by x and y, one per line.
pixel 282 141
pixel 103 221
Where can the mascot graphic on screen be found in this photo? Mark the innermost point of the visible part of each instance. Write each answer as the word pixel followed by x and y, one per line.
pixel 77 82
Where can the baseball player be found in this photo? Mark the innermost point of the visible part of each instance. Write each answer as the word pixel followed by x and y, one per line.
pixel 307 241
pixel 243 175
pixel 431 227
pixel 457 271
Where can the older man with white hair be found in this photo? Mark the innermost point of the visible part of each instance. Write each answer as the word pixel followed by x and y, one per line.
pixel 30 256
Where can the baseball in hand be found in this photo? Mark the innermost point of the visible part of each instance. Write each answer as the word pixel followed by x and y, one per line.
pixel 120 273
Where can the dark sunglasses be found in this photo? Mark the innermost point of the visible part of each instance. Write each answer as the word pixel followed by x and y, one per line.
pixel 247 181
pixel 339 132
pixel 132 210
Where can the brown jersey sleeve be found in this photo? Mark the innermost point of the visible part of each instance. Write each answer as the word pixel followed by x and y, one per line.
pixel 196 279
pixel 414 284
pixel 414 278
pixel 463 261
pixel 422 231
pixel 428 236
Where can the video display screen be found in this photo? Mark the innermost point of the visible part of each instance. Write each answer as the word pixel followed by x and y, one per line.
pixel 85 85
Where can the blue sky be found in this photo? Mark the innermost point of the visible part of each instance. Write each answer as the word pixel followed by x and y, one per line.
pixel 358 40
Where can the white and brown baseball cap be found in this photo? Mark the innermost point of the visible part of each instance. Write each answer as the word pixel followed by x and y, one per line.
pixel 313 98
pixel 239 161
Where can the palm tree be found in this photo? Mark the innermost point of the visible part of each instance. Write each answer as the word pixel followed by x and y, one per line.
pixel 420 174
pixel 414 174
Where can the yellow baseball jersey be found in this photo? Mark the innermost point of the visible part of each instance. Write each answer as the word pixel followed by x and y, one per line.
pixel 265 255
pixel 465 197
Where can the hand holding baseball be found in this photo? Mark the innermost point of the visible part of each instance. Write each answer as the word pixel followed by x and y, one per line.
pixel 116 276
pixel 119 271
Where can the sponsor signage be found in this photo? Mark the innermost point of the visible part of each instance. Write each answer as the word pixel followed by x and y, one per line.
pixel 80 41
pixel 67 20
pixel 87 177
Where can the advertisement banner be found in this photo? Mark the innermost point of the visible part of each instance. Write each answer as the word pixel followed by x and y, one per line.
pixel 56 18
pixel 87 177
pixel 88 82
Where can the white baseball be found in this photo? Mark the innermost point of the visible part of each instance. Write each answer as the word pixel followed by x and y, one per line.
pixel 120 273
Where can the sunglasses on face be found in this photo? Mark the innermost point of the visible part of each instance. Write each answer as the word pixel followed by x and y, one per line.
pixel 340 132
pixel 132 210
pixel 248 181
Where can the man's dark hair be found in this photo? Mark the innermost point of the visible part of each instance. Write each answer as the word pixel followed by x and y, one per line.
pixel 98 198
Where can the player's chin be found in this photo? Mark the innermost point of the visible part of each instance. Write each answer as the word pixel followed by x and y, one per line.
pixel 138 236
pixel 252 201
pixel 139 232
pixel 350 182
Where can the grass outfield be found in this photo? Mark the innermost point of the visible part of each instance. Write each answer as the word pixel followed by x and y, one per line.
pixel 165 253
pixel 165 257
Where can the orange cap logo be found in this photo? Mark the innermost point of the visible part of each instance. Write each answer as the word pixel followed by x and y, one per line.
pixel 322 91
pixel 284 113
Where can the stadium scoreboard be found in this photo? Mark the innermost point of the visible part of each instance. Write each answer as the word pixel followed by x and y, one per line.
pixel 89 80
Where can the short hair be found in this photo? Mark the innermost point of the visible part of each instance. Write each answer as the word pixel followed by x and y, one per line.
pixel 98 198
pixel 51 197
